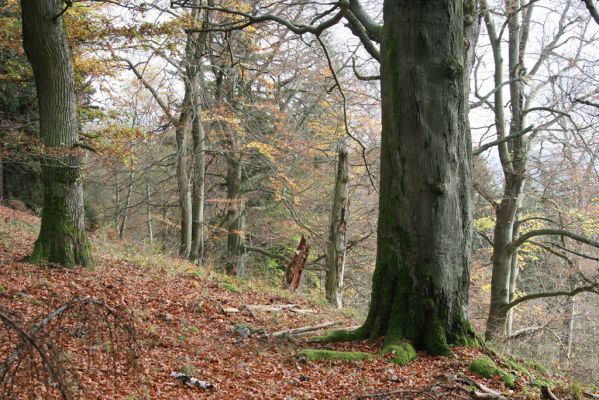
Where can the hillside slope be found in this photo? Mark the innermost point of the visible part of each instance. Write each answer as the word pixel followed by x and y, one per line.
pixel 197 321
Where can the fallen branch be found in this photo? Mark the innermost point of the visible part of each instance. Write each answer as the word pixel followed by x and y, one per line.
pixel 483 391
pixel 392 392
pixel 270 307
pixel 295 331
pixel 547 394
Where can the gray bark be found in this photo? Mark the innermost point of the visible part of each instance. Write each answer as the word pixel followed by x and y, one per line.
pixel 235 212
pixel 337 243
pixel 420 284
pixel 62 237
pixel 513 156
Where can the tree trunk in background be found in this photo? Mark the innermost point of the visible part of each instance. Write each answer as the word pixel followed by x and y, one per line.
pixel 235 218
pixel 62 237
pixel 199 141
pixel 420 283
pixel 513 157
pixel 199 138
pixel 337 245
pixel 183 129
pixel 1 179
pixel 149 214
pixel 117 198
pixel 127 205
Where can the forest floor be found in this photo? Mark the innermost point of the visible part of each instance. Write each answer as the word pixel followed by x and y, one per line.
pixel 191 321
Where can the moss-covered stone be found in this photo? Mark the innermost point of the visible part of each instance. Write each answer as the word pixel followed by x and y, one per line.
pixel 485 367
pixel 402 353
pixel 321 354
pixel 230 287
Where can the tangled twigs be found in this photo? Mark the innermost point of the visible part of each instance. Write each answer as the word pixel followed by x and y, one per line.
pixel 76 340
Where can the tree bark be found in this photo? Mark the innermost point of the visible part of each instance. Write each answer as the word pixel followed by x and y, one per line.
pixel 337 244
pixel 183 129
pixel 127 205
pixel 420 283
pixel 199 138
pixel 149 215
pixel 62 237
pixel 235 219
pixel 513 156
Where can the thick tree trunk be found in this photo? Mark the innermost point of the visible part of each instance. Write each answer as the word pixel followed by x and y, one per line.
pixel 336 247
pixel 62 236
pixel 420 284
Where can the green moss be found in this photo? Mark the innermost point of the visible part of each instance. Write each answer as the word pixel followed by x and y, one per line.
pixel 508 379
pixel 319 354
pixel 2 289
pixel 537 367
pixel 402 353
pixel 516 366
pixel 485 367
pixel 230 287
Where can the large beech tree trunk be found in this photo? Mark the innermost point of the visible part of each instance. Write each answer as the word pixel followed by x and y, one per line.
pixel 62 236
pixel 420 284
pixel 337 245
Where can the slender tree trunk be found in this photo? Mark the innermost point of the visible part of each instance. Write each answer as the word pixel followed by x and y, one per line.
pixel 420 283
pixel 149 215
pixel 235 220
pixel 117 197
pixel 62 237
pixel 127 205
pixel 513 156
pixel 183 129
pixel 336 248
pixel 199 138
pixel 194 58
pixel 1 179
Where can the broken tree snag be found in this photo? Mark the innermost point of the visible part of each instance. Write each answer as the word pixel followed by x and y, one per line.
pixel 295 268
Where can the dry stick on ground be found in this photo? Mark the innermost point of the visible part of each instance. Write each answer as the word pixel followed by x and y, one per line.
pixel 48 358
pixel 484 393
pixel 295 331
pixel 393 392
pixel 547 394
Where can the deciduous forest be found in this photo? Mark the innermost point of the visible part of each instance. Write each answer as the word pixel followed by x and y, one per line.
pixel 297 199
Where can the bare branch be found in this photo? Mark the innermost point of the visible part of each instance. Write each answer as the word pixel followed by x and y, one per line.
pixel 300 29
pixel 487 146
pixel 551 232
pixel 593 288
